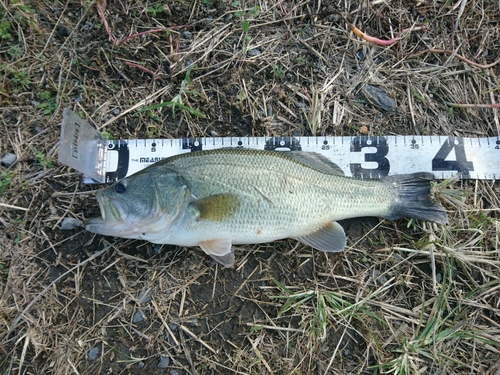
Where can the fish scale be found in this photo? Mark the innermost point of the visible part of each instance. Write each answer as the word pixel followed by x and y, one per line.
pixel 278 186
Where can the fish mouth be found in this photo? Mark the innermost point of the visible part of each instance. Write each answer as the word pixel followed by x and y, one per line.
pixel 113 211
pixel 113 214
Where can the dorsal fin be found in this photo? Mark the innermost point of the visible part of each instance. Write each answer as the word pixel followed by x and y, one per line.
pixel 315 160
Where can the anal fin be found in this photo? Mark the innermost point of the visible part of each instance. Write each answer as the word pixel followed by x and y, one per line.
pixel 220 250
pixel 330 238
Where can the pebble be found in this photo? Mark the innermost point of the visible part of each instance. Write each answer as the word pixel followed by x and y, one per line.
pixel 63 31
pixel 36 130
pixel 229 17
pixel 378 277
pixel 9 159
pixel 378 97
pixel 254 52
pixel 138 317
pixel 174 372
pixel 269 111
pixel 187 34
pixel 70 223
pixel 299 105
pixel 116 111
pixel 173 326
pixel 87 26
pixel 164 362
pixel 145 296
pixel 157 248
pixel 209 19
pixel 439 277
pixel 93 353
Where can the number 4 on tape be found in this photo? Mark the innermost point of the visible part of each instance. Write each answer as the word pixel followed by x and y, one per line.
pixel 442 161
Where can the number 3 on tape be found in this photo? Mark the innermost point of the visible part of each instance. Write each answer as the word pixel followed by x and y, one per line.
pixel 379 157
pixel 460 164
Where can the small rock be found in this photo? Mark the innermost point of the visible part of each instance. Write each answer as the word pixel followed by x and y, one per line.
pixel 141 364
pixel 63 31
pixel 157 248
pixel 164 362
pixel 87 26
pixel 213 133
pixel 174 372
pixel 70 223
pixel 8 159
pixel 173 326
pixel 363 129
pixel 334 18
pixel 439 277
pixel 254 52
pixel 36 130
pixel 93 353
pixel 378 277
pixel 138 317
pixel 229 17
pixel 299 105
pixel 35 103
pixel 187 34
pixel 145 296
pixel 209 19
pixel 269 111
pixel 379 98
pixel 78 99
pixel 116 111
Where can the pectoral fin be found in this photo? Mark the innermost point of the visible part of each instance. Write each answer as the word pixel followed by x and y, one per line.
pixel 330 238
pixel 220 250
pixel 215 207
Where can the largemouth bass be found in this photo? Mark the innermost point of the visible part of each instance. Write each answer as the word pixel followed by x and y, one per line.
pixel 213 199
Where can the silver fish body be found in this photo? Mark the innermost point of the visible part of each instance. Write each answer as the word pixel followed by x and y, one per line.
pixel 217 198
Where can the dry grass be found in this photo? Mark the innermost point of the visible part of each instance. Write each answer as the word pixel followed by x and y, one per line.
pixel 404 298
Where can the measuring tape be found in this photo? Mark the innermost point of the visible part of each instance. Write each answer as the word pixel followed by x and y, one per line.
pixel 105 161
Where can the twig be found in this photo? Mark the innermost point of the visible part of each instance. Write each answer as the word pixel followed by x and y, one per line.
pixel 198 339
pixel 140 67
pixel 460 57
pixel 465 105
pixel 101 7
pixel 14 207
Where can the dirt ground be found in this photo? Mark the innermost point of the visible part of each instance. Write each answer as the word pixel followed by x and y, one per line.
pixel 405 297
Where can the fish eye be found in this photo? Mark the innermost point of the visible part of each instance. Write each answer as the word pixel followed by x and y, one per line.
pixel 120 188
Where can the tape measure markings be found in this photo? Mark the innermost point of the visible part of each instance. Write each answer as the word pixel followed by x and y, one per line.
pixel 83 148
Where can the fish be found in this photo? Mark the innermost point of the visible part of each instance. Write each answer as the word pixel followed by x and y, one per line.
pixel 217 198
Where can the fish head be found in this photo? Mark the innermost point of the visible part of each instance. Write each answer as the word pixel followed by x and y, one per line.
pixel 139 206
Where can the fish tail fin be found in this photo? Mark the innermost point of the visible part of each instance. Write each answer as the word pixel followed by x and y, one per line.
pixel 412 198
